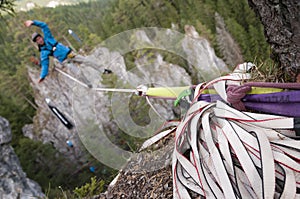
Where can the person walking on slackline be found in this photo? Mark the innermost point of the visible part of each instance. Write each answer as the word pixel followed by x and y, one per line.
pixel 48 46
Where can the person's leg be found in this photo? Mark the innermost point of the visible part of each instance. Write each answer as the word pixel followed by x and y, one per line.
pixel 75 70
pixel 83 60
pixel 78 59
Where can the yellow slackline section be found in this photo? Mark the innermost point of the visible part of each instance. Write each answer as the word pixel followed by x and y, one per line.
pixel 166 92
pixel 171 92
pixel 262 90
pixel 174 92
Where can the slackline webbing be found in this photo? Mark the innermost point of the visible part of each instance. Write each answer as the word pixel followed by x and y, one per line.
pixel 223 152
pixel 96 89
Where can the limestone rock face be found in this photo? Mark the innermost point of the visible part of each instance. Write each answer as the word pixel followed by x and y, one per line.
pixel 203 62
pixel 88 109
pixel 5 136
pixel 13 182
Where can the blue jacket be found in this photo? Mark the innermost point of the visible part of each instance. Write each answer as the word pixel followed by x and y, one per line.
pixel 60 53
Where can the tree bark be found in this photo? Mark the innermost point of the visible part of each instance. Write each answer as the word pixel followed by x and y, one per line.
pixel 281 21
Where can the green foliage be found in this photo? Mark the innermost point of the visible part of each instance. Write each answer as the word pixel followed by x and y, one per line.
pixel 240 35
pixel 7 6
pixel 54 172
pixel 95 187
pixel 42 162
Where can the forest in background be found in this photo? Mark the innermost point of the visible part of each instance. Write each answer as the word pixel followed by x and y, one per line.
pixel 94 22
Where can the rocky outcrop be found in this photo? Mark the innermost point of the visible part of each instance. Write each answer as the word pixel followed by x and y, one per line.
pixel 203 62
pixel 228 47
pixel 13 181
pixel 149 175
pixel 95 113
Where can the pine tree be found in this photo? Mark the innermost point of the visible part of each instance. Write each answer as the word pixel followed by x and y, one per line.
pixel 7 6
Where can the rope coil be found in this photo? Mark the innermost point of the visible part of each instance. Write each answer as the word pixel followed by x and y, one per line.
pixel 221 152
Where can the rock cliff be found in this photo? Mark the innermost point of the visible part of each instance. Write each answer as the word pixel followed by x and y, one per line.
pixel 79 104
pixel 96 113
pixel 99 114
pixel 13 181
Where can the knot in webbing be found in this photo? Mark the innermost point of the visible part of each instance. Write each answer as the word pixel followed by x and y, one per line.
pixel 235 94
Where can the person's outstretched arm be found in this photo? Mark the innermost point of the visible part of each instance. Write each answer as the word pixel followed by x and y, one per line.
pixel 44 27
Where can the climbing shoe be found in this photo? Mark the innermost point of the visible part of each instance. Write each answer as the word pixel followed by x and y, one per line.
pixel 71 55
pixel 107 71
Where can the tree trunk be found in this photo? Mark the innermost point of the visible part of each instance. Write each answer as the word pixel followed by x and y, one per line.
pixel 281 21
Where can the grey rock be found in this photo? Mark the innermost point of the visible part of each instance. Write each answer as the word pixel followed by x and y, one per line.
pixel 92 112
pixel 5 136
pixel 13 181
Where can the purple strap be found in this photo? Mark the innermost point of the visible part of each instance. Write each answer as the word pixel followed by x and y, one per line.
pixel 292 96
pixel 280 103
pixel 274 85
pixel 285 109
pixel 235 93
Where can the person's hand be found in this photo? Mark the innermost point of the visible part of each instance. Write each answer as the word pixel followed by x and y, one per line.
pixel 34 60
pixel 41 79
pixel 28 23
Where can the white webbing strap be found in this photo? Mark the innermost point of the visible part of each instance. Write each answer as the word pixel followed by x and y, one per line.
pixel 244 188
pixel 72 78
pixel 156 138
pixel 221 177
pixel 187 181
pixel 243 157
pixel 267 163
pixel 179 190
pixel 220 85
pixel 289 190
pixel 209 172
pixel 224 148
pixel 230 157
pixel 270 133
pixel 284 160
pixel 202 159
pixel 226 153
